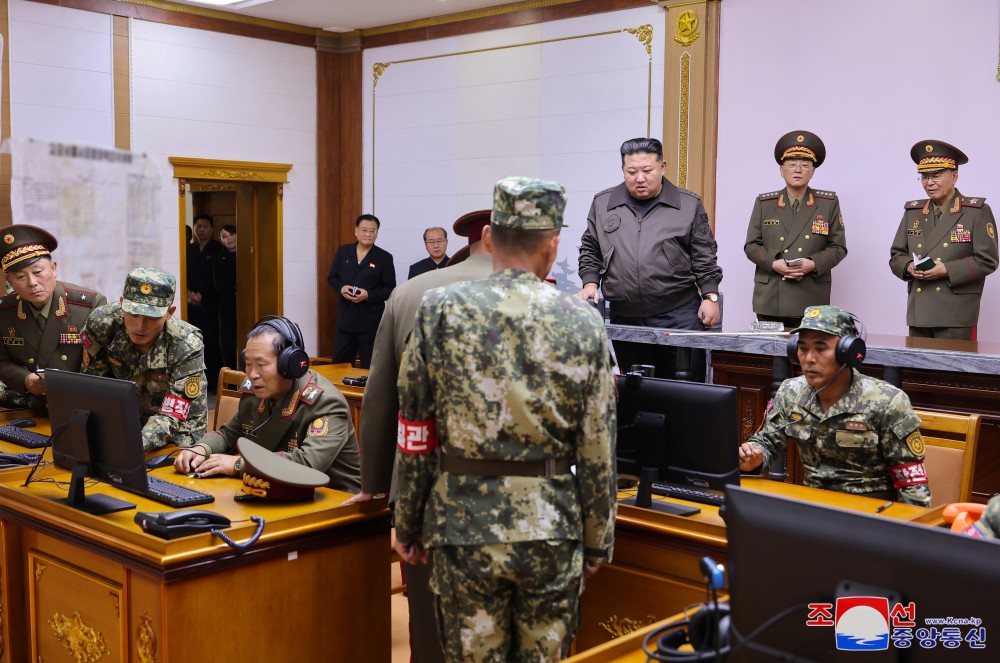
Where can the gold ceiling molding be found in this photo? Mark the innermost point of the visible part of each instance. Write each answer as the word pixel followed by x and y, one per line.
pixel 486 12
pixel 187 168
pixel 225 16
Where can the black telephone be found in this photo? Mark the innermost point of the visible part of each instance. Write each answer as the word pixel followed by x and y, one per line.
pixel 14 459
pixel 173 524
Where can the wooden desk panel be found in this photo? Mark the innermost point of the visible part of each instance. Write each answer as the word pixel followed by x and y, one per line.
pixel 100 578
pixel 336 373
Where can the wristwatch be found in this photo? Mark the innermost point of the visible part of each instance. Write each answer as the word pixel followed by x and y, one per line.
pixel 711 296
pixel 238 466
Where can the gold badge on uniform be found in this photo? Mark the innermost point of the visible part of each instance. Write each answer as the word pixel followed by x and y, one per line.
pixel 916 443
pixel 800 138
pixel 145 288
pixel 814 313
pixel 796 416
pixel 320 426
pixel 8 239
pixel 192 387
pixel 991 231
pixel 928 148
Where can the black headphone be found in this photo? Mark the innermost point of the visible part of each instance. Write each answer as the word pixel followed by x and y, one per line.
pixel 293 362
pixel 701 631
pixel 851 349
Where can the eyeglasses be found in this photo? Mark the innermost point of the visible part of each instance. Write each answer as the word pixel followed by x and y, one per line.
pixel 933 177
pixel 797 166
pixel 435 242
pixel 365 231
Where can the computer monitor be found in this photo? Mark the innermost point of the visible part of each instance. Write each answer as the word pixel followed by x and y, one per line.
pixel 785 555
pixel 689 431
pixel 96 433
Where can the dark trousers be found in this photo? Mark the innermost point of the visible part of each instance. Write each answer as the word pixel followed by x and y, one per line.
pixel 663 358
pixel 953 333
pixel 425 642
pixel 206 318
pixel 347 345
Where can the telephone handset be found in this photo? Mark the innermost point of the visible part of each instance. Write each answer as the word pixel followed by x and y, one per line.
pixel 173 524
pixel 962 514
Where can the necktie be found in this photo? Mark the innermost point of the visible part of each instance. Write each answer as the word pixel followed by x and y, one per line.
pixel 40 321
pixel 795 206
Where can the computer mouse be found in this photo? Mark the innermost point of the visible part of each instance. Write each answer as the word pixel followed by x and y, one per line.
pixel 157 462
pixel 24 422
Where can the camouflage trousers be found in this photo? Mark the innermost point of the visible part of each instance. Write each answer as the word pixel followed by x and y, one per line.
pixel 508 601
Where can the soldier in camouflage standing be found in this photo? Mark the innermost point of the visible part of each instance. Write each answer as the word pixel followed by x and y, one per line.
pixel 855 434
pixel 138 339
pixel 511 381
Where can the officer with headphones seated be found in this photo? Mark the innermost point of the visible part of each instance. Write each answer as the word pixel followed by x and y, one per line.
pixel 855 434
pixel 286 408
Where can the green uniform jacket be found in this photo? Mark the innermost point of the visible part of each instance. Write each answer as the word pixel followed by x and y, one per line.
pixel 169 379
pixel 965 240
pixel 508 368
pixel 867 442
pixel 26 348
pixel 816 232
pixel 310 425
pixel 988 525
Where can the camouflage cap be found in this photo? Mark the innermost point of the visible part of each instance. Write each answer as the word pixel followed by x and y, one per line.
pixel 266 474
pixel 524 203
pixel 829 320
pixel 23 245
pixel 149 291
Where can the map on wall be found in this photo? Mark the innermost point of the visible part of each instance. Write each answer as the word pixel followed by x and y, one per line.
pixel 100 203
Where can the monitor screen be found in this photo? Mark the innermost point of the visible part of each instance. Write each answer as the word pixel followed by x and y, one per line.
pixel 96 433
pixel 688 430
pixel 908 592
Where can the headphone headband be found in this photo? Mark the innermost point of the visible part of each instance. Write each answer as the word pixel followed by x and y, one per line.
pixel 287 329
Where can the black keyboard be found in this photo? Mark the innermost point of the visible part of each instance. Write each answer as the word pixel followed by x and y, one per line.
pixel 711 497
pixel 24 438
pixel 174 494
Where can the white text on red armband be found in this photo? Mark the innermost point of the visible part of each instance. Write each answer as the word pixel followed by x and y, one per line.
pixel 912 474
pixel 416 437
pixel 175 406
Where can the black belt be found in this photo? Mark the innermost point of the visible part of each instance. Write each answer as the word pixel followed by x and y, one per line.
pixel 547 468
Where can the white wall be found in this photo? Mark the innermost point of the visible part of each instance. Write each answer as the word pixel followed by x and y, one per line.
pixel 446 129
pixel 872 79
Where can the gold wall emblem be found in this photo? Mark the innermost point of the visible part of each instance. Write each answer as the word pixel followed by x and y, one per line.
pixel 687 27
pixel 85 643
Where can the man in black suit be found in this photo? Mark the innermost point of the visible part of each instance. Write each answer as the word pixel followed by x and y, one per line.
pixel 436 243
pixel 364 276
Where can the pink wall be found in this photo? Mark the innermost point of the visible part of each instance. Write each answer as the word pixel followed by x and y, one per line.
pixel 871 78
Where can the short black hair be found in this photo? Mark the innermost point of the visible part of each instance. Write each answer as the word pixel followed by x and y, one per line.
pixel 278 341
pixel 642 146
pixel 435 228
pixel 229 228
pixel 368 217
pixel 207 217
pixel 524 242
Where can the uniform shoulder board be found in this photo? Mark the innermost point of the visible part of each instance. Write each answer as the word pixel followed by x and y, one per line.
pixel 966 202
pixel 246 387
pixel 310 393
pixel 825 194
pixel 81 297
pixel 8 301
pixel 915 204
pixel 689 192
pixel 769 196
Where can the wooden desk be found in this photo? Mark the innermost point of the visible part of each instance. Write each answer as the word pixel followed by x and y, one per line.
pixel 655 571
pixel 336 373
pixel 73 585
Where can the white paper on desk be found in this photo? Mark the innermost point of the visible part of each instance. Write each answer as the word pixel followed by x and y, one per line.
pixel 923 264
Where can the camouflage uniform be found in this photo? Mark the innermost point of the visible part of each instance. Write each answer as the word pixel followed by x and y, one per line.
pixel 312 426
pixel 508 369
pixel 867 442
pixel 988 525
pixel 170 378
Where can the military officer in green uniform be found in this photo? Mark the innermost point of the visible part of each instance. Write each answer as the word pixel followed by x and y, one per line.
pixel 955 240
pixel 796 236
pixel 511 380
pixel 138 339
pixel 855 434
pixel 41 319
pixel 287 409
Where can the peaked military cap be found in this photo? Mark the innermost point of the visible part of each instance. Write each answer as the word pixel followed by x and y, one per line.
pixel 469 225
pixel 266 474
pixel 829 320
pixel 800 145
pixel 22 245
pixel 934 155
pixel 526 203
pixel 149 291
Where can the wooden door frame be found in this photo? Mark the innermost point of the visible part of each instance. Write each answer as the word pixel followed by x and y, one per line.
pixel 237 173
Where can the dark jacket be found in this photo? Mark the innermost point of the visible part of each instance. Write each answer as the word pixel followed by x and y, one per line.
pixel 376 274
pixel 426 265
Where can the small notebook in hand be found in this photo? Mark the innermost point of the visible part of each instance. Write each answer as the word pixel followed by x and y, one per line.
pixel 922 264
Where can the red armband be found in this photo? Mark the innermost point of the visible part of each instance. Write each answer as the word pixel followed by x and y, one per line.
pixel 176 407
pixel 416 437
pixel 912 474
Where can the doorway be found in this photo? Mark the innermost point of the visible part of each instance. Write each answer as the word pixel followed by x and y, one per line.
pixel 248 197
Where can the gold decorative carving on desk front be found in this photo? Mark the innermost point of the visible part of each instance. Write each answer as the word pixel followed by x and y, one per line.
pixel 687 27
pixel 619 626
pixel 644 33
pixel 682 133
pixel 39 570
pixel 83 641
pixel 147 640
pixel 115 601
pixel 231 174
